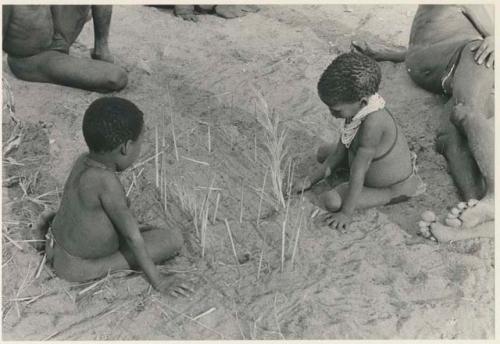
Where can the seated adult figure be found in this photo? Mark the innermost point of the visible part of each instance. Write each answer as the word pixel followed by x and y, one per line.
pixel 451 51
pixel 37 40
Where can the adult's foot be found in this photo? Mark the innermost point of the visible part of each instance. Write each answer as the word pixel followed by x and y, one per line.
pixel 102 54
pixel 235 11
pixel 483 211
pixel 380 52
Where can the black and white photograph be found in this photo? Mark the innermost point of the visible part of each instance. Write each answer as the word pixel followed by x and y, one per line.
pixel 248 171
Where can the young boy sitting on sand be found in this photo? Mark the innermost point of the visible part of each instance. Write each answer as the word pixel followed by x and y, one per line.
pixel 371 144
pixel 94 232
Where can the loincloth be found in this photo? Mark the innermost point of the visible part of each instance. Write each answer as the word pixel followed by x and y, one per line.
pixel 449 72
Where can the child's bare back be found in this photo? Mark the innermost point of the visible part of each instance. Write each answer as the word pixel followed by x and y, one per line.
pixel 81 225
pixel 94 232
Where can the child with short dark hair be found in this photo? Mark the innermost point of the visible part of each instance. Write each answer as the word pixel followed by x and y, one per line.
pixel 371 144
pixel 94 232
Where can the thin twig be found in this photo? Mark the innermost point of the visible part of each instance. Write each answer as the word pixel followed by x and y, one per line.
pixel 173 136
pixel 214 218
pixel 195 161
pixel 232 244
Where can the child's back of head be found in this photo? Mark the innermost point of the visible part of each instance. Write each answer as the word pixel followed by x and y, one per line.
pixel 111 121
pixel 350 77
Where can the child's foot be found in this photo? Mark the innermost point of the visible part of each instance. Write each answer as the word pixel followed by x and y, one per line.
pixel 40 229
pixel 428 219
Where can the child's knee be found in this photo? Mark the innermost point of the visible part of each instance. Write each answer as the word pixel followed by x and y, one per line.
pixel 324 151
pixel 331 200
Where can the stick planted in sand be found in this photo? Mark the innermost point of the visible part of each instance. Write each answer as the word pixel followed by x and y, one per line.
pixel 204 218
pixel 297 235
pixel 283 230
pixel 195 161
pixel 241 200
pixel 40 266
pixel 157 166
pixel 204 313
pixel 214 218
pixel 209 139
pixel 232 243
pixel 260 199
pixel 12 241
pixel 173 137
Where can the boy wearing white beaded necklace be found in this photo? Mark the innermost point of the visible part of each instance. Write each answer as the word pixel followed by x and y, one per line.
pixel 371 144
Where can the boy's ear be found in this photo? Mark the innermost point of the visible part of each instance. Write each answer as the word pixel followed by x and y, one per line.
pixel 363 102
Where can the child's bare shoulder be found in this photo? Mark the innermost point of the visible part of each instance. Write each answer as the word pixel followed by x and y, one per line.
pixel 373 126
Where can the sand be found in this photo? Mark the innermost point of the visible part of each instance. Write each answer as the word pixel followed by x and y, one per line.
pixel 377 281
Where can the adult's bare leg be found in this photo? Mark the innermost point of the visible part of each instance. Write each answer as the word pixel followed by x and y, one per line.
pixel 59 68
pixel 381 52
pixel 102 20
pixel 472 88
pixel 461 164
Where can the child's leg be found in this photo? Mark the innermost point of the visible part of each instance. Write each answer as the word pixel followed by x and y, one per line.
pixel 161 245
pixel 324 151
pixel 370 197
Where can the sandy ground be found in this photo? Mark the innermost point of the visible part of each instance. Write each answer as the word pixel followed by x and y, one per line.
pixel 377 281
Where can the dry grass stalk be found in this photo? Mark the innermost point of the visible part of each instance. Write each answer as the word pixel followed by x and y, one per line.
pixel 40 266
pixel 232 243
pixel 260 262
pixel 195 161
pixel 211 310
pixel 241 200
pixel 209 139
pixel 275 146
pixel 283 229
pixel 134 181
pixel 173 137
pixel 255 148
pixel 145 161
pixel 204 218
pixel 261 198
pixel 12 241
pixel 165 192
pixel 185 316
pixel 157 166
pixel 297 235
pixel 214 218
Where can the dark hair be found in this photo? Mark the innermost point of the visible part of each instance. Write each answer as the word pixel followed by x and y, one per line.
pixel 111 121
pixel 350 77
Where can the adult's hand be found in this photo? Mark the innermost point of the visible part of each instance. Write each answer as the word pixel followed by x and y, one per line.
pixel 485 52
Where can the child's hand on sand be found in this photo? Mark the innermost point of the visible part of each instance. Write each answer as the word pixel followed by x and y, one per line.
pixel 338 221
pixel 174 286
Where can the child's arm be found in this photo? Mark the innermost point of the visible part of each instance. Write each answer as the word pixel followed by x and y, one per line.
pixel 324 170
pixel 370 135
pixel 114 203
